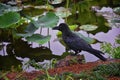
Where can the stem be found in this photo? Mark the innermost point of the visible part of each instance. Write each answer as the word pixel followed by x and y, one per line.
pixel 67 5
pixel 40 33
pixel 41 30
pixel 47 6
pixel 48 34
pixel 3 50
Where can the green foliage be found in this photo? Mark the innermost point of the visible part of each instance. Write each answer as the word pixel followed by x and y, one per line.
pixel 112 69
pixel 29 31
pixel 117 10
pixel 49 20
pixel 62 12
pixel 3 75
pixel 38 38
pixel 98 73
pixel 115 20
pixel 8 8
pixel 43 66
pixel 7 20
pixel 33 64
pixel 113 50
pixel 88 27
pixel 72 76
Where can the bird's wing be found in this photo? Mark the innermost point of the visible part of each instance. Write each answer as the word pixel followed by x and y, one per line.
pixel 76 43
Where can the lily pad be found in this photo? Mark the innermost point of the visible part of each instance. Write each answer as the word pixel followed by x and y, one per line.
pixel 7 8
pixel 117 10
pixel 88 27
pixel 115 20
pixel 62 12
pixel 3 7
pixel 8 19
pixel 38 38
pixel 55 1
pixel 49 20
pixel 29 31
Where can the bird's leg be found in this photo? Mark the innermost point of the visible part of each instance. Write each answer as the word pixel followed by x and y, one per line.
pixel 73 54
pixel 67 49
pixel 76 52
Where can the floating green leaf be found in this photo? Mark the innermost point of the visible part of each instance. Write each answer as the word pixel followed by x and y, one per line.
pixel 9 19
pixel 7 8
pixel 62 12
pixel 38 38
pixel 3 7
pixel 117 10
pixel 88 27
pixel 48 20
pixel 55 1
pixel 30 29
pixel 115 20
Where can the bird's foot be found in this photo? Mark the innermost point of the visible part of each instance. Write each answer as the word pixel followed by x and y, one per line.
pixel 73 54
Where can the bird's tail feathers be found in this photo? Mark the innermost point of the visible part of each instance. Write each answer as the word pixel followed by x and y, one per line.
pixel 97 54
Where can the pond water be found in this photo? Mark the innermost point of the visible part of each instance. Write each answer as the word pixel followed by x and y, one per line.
pixel 22 51
pixel 56 48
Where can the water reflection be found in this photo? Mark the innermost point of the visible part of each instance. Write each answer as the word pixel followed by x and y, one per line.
pixel 6 62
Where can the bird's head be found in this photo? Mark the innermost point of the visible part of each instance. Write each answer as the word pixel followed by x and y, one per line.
pixel 62 27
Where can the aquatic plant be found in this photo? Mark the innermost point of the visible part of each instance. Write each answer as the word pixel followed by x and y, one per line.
pixel 112 69
pixel 112 50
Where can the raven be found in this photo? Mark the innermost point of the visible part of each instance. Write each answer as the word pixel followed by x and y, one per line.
pixel 77 44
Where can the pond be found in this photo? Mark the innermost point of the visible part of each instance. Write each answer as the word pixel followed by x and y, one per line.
pixel 18 52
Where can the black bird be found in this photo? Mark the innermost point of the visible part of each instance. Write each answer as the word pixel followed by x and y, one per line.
pixel 74 42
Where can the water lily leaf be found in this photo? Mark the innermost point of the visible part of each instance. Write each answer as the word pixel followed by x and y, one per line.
pixel 88 27
pixel 115 20
pixel 117 10
pixel 62 12
pixel 49 20
pixel 3 7
pixel 46 7
pixel 73 27
pixel 55 1
pixel 38 38
pixel 13 9
pixel 7 8
pixel 8 19
pixel 29 31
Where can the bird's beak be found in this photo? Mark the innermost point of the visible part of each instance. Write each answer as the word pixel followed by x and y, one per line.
pixel 56 28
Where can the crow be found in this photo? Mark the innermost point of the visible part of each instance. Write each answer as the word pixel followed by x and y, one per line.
pixel 76 43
